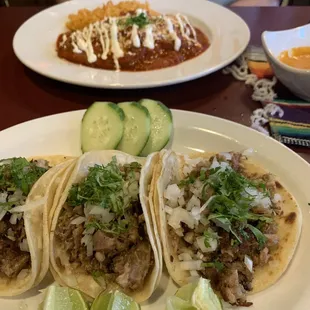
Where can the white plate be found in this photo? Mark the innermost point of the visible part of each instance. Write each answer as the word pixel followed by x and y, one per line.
pixel 34 45
pixel 59 134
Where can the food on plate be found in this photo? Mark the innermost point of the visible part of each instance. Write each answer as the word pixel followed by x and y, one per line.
pixel 136 128
pixel 226 219
pixel 26 194
pixel 102 236
pixel 198 296
pixel 297 57
pixel 129 36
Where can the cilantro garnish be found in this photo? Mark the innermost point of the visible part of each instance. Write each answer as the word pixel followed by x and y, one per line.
pixel 209 235
pixel 115 227
pixel 231 203
pixel 19 173
pixel 104 186
pixel 217 265
pixel 260 237
pixel 140 20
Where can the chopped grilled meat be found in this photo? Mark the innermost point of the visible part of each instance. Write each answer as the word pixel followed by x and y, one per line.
pixel 262 210
pixel 264 256
pixel 104 243
pixel 12 259
pixel 126 257
pixel 232 290
pixel 272 241
pixel 136 267
pixel 269 228
pixel 12 263
pixel 235 161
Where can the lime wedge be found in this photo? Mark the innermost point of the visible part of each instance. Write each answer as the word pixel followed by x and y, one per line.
pixel 176 303
pixel 63 298
pixel 114 301
pixel 102 301
pixel 186 292
pixel 204 298
pixel 123 302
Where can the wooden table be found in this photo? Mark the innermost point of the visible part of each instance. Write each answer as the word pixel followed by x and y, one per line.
pixel 25 95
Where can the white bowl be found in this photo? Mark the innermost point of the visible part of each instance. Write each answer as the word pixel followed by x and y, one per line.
pixel 275 42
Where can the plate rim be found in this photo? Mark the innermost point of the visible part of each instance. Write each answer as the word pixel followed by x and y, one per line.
pixel 152 84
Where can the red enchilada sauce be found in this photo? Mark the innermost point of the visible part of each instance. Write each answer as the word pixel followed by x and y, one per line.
pixel 136 42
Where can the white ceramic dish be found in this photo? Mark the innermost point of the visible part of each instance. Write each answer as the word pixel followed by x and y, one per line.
pixel 34 45
pixel 59 134
pixel 275 42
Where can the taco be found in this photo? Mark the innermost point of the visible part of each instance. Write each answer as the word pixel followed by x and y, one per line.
pixel 101 234
pixel 224 218
pixel 24 197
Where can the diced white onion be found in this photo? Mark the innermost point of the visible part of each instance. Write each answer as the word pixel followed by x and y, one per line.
pixel 227 156
pixel 215 163
pixel 191 265
pixel 181 201
pixel 86 239
pixel 24 245
pixel 90 248
pixel 2 214
pixel 248 262
pixel 13 218
pixel 179 232
pixel 187 250
pixel 29 206
pixel 277 198
pixel 168 210
pixel 194 273
pixel 194 202
pixel 17 196
pixel 89 231
pixel 23 274
pixel 172 194
pixel 100 256
pixel 106 216
pixel 185 257
pixel 79 220
pixel 204 220
pixel 199 255
pixel 196 213
pixel 3 197
pixel 189 237
pixel 203 248
pixel 181 215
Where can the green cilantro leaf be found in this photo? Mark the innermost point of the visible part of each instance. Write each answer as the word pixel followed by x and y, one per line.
pixel 217 265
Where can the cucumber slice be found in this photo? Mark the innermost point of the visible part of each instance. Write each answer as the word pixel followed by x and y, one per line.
pixel 161 126
pixel 102 127
pixel 137 128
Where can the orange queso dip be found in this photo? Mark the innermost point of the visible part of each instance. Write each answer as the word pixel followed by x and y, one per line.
pixel 297 57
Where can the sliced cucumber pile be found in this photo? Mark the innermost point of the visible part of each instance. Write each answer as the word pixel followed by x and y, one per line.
pixel 161 126
pixel 136 128
pixel 102 127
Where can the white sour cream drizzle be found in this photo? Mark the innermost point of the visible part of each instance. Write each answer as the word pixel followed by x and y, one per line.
pixel 107 32
pixel 191 27
pixel 115 46
pixel 176 39
pixel 149 39
pixel 135 36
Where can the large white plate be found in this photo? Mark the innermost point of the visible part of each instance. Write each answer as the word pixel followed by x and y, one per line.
pixel 59 134
pixel 34 45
